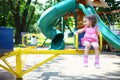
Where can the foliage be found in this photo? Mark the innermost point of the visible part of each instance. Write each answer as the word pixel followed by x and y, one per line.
pixel 34 28
pixel 20 14
pixel 112 16
pixel 5 14
pixel 50 3
pixel 70 21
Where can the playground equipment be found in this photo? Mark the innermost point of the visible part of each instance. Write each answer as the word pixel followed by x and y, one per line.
pixel 57 45
pixel 78 44
pixel 113 39
pixel 6 40
pixel 49 16
pixel 33 39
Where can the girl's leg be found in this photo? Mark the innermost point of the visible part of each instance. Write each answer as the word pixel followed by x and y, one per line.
pixel 86 50
pixel 96 47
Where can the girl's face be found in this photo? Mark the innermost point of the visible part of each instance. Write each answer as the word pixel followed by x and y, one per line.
pixel 87 22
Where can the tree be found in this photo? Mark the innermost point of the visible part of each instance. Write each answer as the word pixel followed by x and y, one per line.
pixel 20 20
pixel 19 14
pixel 5 15
pixel 114 6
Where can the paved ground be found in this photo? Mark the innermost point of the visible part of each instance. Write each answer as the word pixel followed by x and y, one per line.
pixel 69 67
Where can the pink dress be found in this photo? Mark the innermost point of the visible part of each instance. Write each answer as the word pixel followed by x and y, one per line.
pixel 90 35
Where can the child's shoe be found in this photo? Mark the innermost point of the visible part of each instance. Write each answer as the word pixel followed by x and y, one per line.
pixel 97 66
pixel 85 64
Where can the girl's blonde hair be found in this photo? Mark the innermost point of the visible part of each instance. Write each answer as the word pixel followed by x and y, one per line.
pixel 93 19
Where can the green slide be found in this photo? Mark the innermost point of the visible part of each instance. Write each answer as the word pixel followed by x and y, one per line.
pixel 107 34
pixel 49 17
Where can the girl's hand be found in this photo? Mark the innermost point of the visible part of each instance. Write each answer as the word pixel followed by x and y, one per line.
pixel 79 31
pixel 75 32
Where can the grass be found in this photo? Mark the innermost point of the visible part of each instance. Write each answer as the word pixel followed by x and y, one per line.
pixel 68 41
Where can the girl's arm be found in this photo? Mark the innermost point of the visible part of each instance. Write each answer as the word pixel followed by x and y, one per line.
pixel 98 32
pixel 79 31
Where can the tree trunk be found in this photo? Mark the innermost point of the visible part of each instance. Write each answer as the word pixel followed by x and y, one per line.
pixel 31 16
pixel 17 36
pixel 17 23
pixel 24 17
pixel 18 28
pixel 20 25
pixel 20 22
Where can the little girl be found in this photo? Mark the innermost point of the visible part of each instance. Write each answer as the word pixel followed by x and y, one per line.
pixel 90 38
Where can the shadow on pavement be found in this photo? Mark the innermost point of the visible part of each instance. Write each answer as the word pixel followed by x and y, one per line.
pixel 6 75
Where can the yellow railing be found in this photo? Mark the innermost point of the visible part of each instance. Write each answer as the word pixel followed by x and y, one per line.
pixel 39 37
pixel 19 72
pixel 20 62
pixel 77 41
pixel 101 42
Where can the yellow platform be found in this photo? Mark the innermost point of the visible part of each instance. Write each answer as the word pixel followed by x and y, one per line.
pixel 32 50
pixel 18 71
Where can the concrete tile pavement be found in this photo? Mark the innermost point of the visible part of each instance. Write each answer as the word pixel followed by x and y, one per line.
pixel 70 67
